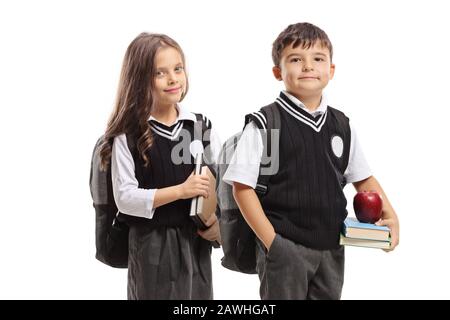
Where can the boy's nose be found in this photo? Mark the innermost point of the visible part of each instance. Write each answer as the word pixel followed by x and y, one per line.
pixel 307 67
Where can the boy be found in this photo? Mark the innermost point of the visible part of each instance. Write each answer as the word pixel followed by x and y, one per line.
pixel 297 222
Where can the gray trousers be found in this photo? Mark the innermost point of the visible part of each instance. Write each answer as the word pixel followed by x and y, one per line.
pixel 169 263
pixel 290 271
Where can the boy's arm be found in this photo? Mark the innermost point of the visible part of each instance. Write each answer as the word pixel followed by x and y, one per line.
pixel 389 217
pixel 251 209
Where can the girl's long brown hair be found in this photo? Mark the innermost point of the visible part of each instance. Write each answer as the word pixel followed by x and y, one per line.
pixel 134 101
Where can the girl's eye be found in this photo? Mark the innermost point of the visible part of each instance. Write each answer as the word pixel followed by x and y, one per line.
pixel 159 73
pixel 179 69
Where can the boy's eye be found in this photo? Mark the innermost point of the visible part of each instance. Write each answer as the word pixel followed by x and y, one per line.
pixel 295 60
pixel 320 59
pixel 179 69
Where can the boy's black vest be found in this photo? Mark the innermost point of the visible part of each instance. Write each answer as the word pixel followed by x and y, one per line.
pixel 305 201
pixel 161 172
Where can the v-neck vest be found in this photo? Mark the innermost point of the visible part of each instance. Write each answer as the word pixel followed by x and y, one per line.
pixel 305 201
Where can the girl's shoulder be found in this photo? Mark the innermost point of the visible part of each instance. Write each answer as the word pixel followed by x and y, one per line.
pixel 186 114
pixel 123 144
pixel 120 139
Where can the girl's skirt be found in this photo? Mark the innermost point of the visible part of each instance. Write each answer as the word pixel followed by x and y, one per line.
pixel 169 263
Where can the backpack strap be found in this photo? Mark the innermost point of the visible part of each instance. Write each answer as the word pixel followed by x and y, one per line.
pixel 273 121
pixel 259 118
pixel 202 125
pixel 202 131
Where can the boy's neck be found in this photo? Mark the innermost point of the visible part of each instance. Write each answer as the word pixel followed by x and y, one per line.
pixel 165 114
pixel 311 102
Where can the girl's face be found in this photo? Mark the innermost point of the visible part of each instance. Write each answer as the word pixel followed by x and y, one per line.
pixel 170 78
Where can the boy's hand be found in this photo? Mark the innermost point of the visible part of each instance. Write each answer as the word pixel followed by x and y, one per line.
pixel 213 231
pixel 393 225
pixel 388 217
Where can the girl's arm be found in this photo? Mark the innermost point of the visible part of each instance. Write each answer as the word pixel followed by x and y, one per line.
pixel 129 198
pixel 194 185
pixel 139 202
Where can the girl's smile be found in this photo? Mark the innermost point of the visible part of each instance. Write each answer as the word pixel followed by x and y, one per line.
pixel 173 90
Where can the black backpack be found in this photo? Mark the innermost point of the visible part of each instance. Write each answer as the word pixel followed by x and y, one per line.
pixel 238 240
pixel 111 229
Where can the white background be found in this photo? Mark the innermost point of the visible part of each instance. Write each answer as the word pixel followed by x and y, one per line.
pixel 59 68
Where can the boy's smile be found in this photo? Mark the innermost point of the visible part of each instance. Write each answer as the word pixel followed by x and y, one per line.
pixel 305 72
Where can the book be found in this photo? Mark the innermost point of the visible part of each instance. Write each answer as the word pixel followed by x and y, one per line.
pixel 364 243
pixel 202 208
pixel 352 228
pixel 194 202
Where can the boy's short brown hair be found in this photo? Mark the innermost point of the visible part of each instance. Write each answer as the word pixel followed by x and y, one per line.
pixel 304 34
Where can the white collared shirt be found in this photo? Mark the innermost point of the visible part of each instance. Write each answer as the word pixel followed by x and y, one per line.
pixel 245 163
pixel 320 109
pixel 129 198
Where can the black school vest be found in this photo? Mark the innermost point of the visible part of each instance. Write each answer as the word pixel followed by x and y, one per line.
pixel 162 172
pixel 305 201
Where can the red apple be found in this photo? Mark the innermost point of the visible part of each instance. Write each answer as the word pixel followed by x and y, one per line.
pixel 367 205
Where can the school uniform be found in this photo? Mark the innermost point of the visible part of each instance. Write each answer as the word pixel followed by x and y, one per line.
pixel 167 258
pixel 319 154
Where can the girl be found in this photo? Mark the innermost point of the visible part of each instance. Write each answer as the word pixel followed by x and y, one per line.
pixel 168 257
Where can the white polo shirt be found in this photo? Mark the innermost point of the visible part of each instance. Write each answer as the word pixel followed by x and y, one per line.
pixel 245 163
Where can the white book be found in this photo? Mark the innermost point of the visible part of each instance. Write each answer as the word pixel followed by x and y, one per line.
pixel 364 243
pixel 202 208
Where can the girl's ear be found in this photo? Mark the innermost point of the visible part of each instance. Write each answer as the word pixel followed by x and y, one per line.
pixel 277 73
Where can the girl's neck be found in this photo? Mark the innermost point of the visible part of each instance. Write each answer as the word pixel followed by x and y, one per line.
pixel 165 114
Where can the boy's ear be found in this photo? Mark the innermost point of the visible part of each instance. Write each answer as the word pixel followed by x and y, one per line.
pixel 332 69
pixel 277 73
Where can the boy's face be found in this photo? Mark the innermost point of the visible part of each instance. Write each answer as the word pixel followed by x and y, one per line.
pixel 170 79
pixel 305 72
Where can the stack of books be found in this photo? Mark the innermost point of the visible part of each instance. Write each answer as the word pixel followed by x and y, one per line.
pixel 355 233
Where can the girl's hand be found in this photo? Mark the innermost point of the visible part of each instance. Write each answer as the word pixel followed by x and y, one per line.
pixel 195 185
pixel 213 231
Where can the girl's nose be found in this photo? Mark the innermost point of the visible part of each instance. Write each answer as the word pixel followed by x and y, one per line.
pixel 172 79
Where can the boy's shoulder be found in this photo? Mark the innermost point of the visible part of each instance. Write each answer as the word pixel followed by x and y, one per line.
pixel 265 114
pixel 264 117
pixel 339 115
pixel 337 111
